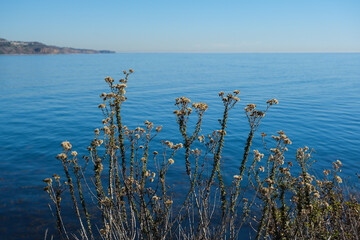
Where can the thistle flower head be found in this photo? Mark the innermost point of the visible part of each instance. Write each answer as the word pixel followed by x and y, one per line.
pixel 316 194
pixel 272 101
pixel 201 138
pixel 250 107
pixel 182 101
pixel 237 177
pixel 327 172
pixel 99 142
pixel 169 144
pixel 338 179
pixel 158 128
pixel 107 130
pixel 257 155
pixel 177 146
pixel 201 107
pixel 56 177
pixel 66 145
pixel 287 141
pixel 109 80
pixel 47 180
pixel 338 162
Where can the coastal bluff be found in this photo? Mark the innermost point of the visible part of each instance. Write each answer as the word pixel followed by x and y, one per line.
pixel 19 47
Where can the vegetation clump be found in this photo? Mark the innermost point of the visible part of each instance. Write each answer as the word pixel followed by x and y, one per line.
pixel 130 197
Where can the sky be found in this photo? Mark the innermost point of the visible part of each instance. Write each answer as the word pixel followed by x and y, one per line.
pixel 186 26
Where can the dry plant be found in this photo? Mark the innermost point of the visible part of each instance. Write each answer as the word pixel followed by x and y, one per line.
pixel 127 194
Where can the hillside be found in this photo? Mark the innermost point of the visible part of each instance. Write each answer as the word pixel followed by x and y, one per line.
pixel 19 47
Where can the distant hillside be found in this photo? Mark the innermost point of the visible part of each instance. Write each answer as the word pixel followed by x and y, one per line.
pixel 18 47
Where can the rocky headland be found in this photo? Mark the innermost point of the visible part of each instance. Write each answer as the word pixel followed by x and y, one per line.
pixel 19 47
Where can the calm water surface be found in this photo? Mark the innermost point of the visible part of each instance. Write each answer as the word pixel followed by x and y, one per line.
pixel 48 99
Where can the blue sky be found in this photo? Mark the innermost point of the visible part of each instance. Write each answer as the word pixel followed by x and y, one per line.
pixel 186 26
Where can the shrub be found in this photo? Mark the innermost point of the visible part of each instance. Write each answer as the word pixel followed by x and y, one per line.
pixel 134 201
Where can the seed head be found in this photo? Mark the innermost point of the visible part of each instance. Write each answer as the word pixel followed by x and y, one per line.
pixel 250 107
pixel 62 156
pixel 326 172
pixel 109 80
pixel 237 177
pixel 272 101
pixel 158 129
pixel 107 130
pixel 47 180
pixel 316 194
pixel 287 141
pixel 56 177
pixel 66 145
pixel 338 179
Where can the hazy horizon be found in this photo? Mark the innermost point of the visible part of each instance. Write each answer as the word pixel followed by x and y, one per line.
pixel 187 27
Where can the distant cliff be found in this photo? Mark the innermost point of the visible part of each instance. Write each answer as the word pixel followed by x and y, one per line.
pixel 18 47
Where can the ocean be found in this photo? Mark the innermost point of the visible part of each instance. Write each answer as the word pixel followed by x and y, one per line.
pixel 47 99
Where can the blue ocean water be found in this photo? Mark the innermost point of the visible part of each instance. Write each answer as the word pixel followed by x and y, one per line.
pixel 48 99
